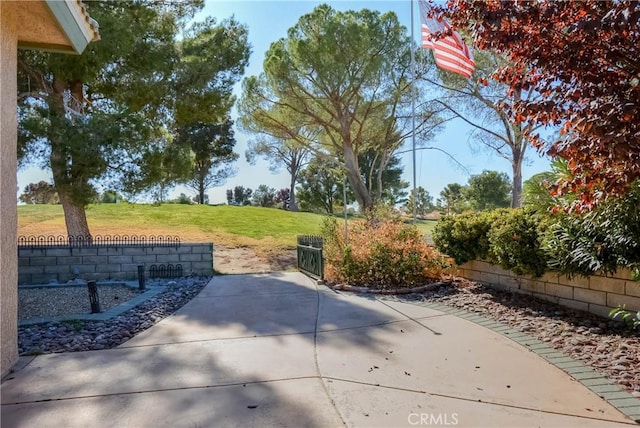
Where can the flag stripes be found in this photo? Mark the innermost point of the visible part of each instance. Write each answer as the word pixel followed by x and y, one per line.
pixel 451 52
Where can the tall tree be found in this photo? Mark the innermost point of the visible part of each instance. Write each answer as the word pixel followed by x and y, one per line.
pixel 339 74
pixel 264 196
pixel 488 190
pixel 281 152
pixel 39 193
pixel 321 186
pixel 582 59
pixel 478 102
pixel 423 202
pixel 242 195
pixel 384 182
pixel 212 149
pixel 451 199
pixel 102 115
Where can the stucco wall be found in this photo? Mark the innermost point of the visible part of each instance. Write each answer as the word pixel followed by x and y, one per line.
pixel 596 294
pixel 8 184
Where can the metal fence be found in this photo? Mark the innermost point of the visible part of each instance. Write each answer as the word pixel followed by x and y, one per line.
pixel 38 241
pixel 310 259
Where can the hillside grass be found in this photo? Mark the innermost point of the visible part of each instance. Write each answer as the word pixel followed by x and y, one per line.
pixel 265 230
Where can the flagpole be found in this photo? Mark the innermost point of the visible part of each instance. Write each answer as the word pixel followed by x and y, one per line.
pixel 413 112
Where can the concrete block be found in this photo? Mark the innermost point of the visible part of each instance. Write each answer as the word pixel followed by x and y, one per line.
pixel 159 250
pixel 42 261
pixel 576 281
pixel 120 275
pixel 23 261
pixel 30 252
pixel 599 310
pixel 58 252
pixel 95 260
pixel 58 269
pixel 85 268
pixel 207 257
pixel 34 270
pixel 574 304
pixel 83 251
pixel 108 268
pixel 64 277
pixel 24 279
pixel 559 290
pixel 590 296
pixel 148 259
pixel 120 259
pixel 532 285
pixel 202 266
pixel 550 277
pixel 489 278
pixel 168 258
pixel 185 249
pixel 473 275
pixel 632 288
pixel 186 268
pixel 109 251
pixel 43 278
pixel 134 251
pixel 610 285
pixel 96 276
pixel 133 267
pixel 630 303
pixel 547 297
pixel 623 273
pixel 69 261
pixel 190 257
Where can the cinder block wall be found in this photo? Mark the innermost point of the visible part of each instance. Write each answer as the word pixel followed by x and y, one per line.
pixel 44 264
pixel 596 294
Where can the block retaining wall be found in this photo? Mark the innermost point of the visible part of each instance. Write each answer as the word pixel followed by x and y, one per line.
pixel 42 265
pixel 596 294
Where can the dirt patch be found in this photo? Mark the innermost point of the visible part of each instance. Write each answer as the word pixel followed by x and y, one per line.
pixel 245 260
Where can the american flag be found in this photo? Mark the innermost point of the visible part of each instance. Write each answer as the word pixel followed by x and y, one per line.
pixel 451 52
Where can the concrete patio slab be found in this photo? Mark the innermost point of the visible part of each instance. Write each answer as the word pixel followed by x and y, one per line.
pixel 150 368
pixel 268 404
pixel 370 406
pixel 275 350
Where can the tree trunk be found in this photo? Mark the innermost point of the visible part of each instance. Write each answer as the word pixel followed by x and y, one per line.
pixel 363 197
pixel 293 204
pixel 516 192
pixel 75 216
pixel 201 193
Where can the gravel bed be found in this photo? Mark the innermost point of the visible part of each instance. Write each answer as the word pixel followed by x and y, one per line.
pixel 54 300
pixel 607 346
pixel 67 336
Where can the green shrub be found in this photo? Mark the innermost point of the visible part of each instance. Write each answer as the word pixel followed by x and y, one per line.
pixel 599 241
pixel 515 243
pixel 465 237
pixel 380 253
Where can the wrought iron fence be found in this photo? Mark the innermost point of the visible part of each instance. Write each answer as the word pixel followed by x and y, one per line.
pixel 310 259
pixel 168 271
pixel 37 241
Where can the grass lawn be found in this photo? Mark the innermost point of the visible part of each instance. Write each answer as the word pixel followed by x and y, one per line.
pixel 263 229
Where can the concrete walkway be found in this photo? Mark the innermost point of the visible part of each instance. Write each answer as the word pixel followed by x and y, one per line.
pixel 277 350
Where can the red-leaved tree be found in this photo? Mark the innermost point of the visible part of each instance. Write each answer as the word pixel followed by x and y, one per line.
pixel 583 58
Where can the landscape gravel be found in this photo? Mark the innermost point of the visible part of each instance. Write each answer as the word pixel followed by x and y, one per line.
pixel 607 346
pixel 55 300
pixel 77 335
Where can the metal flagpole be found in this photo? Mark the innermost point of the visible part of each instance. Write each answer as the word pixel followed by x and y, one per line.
pixel 413 113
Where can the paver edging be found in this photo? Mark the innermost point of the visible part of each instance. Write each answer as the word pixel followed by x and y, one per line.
pixel 612 393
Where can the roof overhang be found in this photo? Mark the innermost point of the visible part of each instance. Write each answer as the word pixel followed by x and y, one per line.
pixel 54 25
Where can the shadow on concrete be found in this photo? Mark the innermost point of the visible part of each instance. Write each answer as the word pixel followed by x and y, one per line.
pixel 176 373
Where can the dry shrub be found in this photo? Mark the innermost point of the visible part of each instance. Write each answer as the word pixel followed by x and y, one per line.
pixel 381 253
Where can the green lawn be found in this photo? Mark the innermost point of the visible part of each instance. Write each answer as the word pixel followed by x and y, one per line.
pixel 264 229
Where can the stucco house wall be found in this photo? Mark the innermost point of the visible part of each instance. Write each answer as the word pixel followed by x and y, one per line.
pixel 55 25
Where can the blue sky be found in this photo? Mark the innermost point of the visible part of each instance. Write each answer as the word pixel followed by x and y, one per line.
pixel 269 21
